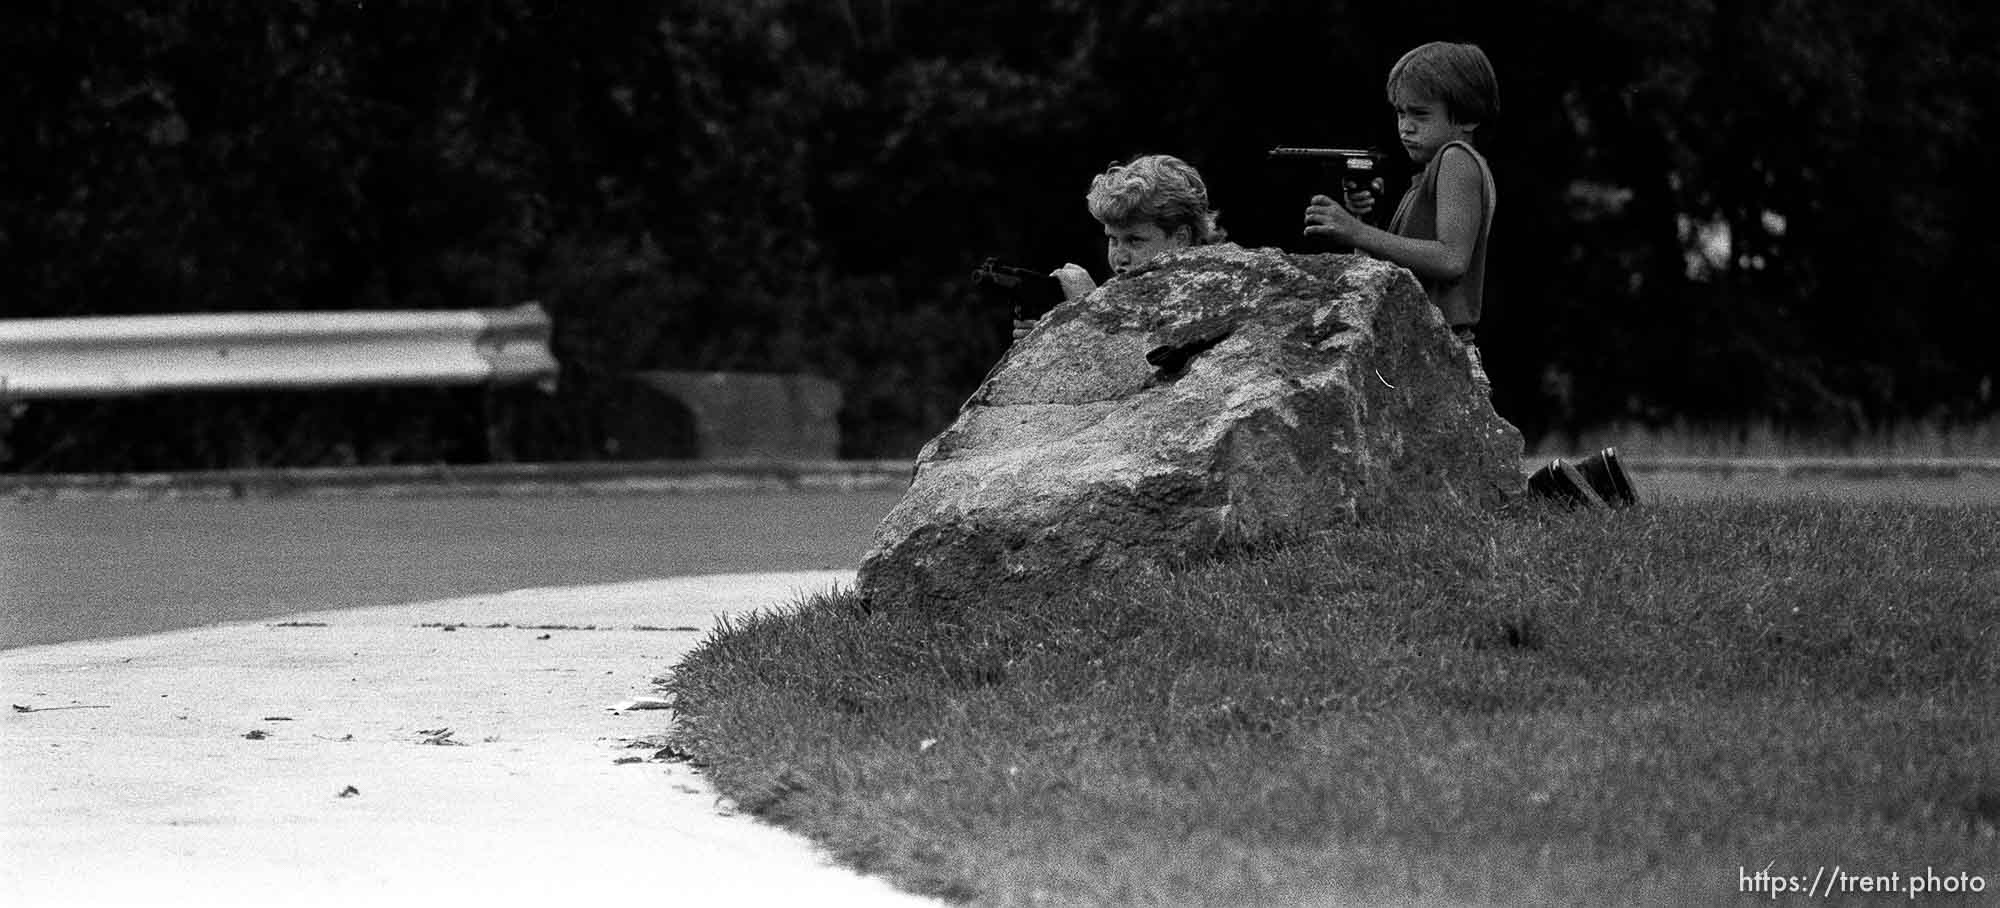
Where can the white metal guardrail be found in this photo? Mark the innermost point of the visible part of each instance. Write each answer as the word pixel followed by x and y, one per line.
pixel 121 355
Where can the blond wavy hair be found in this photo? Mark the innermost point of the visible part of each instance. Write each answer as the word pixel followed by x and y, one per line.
pixel 1157 189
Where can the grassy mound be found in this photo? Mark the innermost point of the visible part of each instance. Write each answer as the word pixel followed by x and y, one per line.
pixel 1440 706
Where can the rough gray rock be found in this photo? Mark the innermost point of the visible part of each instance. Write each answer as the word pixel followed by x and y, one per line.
pixel 1219 395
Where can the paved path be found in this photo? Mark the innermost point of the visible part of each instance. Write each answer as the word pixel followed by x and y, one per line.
pixel 207 766
pixel 107 565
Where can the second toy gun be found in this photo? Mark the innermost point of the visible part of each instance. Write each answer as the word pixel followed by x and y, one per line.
pixel 1355 168
pixel 1030 293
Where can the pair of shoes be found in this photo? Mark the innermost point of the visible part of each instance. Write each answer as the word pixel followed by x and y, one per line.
pixel 1597 481
pixel 1562 482
pixel 1607 476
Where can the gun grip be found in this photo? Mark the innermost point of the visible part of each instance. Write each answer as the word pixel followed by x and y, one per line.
pixel 1355 184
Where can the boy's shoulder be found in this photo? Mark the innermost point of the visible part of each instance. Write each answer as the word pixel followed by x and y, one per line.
pixel 1470 154
pixel 1480 175
pixel 1464 146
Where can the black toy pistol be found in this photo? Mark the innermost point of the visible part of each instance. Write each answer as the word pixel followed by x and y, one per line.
pixel 1355 167
pixel 1030 293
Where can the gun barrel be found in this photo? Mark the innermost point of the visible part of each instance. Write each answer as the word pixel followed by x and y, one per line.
pixel 1356 166
pixel 1031 293
pixel 1321 154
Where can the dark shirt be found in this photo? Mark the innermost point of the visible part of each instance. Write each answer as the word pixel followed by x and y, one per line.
pixel 1416 218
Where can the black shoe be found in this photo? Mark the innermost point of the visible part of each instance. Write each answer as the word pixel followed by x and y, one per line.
pixel 1559 481
pixel 1607 477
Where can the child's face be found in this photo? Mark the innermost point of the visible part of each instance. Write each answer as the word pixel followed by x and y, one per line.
pixel 1127 246
pixel 1425 125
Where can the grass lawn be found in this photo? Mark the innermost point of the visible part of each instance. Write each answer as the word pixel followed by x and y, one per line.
pixel 1438 707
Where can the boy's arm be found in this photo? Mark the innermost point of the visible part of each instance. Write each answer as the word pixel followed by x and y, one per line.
pixel 1460 207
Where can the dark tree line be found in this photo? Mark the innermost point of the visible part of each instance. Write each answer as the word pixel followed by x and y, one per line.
pixel 1710 209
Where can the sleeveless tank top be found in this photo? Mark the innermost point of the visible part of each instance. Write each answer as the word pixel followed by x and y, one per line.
pixel 1416 218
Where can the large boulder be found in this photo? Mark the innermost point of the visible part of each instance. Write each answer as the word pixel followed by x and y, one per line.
pixel 1217 396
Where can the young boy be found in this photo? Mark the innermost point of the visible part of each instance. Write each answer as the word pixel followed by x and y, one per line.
pixel 1442 93
pixel 1148 205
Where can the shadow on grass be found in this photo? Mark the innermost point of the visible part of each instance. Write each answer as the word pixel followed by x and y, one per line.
pixel 1436 706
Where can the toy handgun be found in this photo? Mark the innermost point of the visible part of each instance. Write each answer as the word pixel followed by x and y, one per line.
pixel 1031 293
pixel 1355 167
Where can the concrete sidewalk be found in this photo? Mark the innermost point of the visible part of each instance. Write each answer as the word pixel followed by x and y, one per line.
pixel 373 756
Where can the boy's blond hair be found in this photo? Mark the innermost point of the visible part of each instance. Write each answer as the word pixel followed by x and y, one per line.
pixel 1459 75
pixel 1159 189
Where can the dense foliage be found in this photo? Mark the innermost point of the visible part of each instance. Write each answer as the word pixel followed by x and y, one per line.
pixel 1711 209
